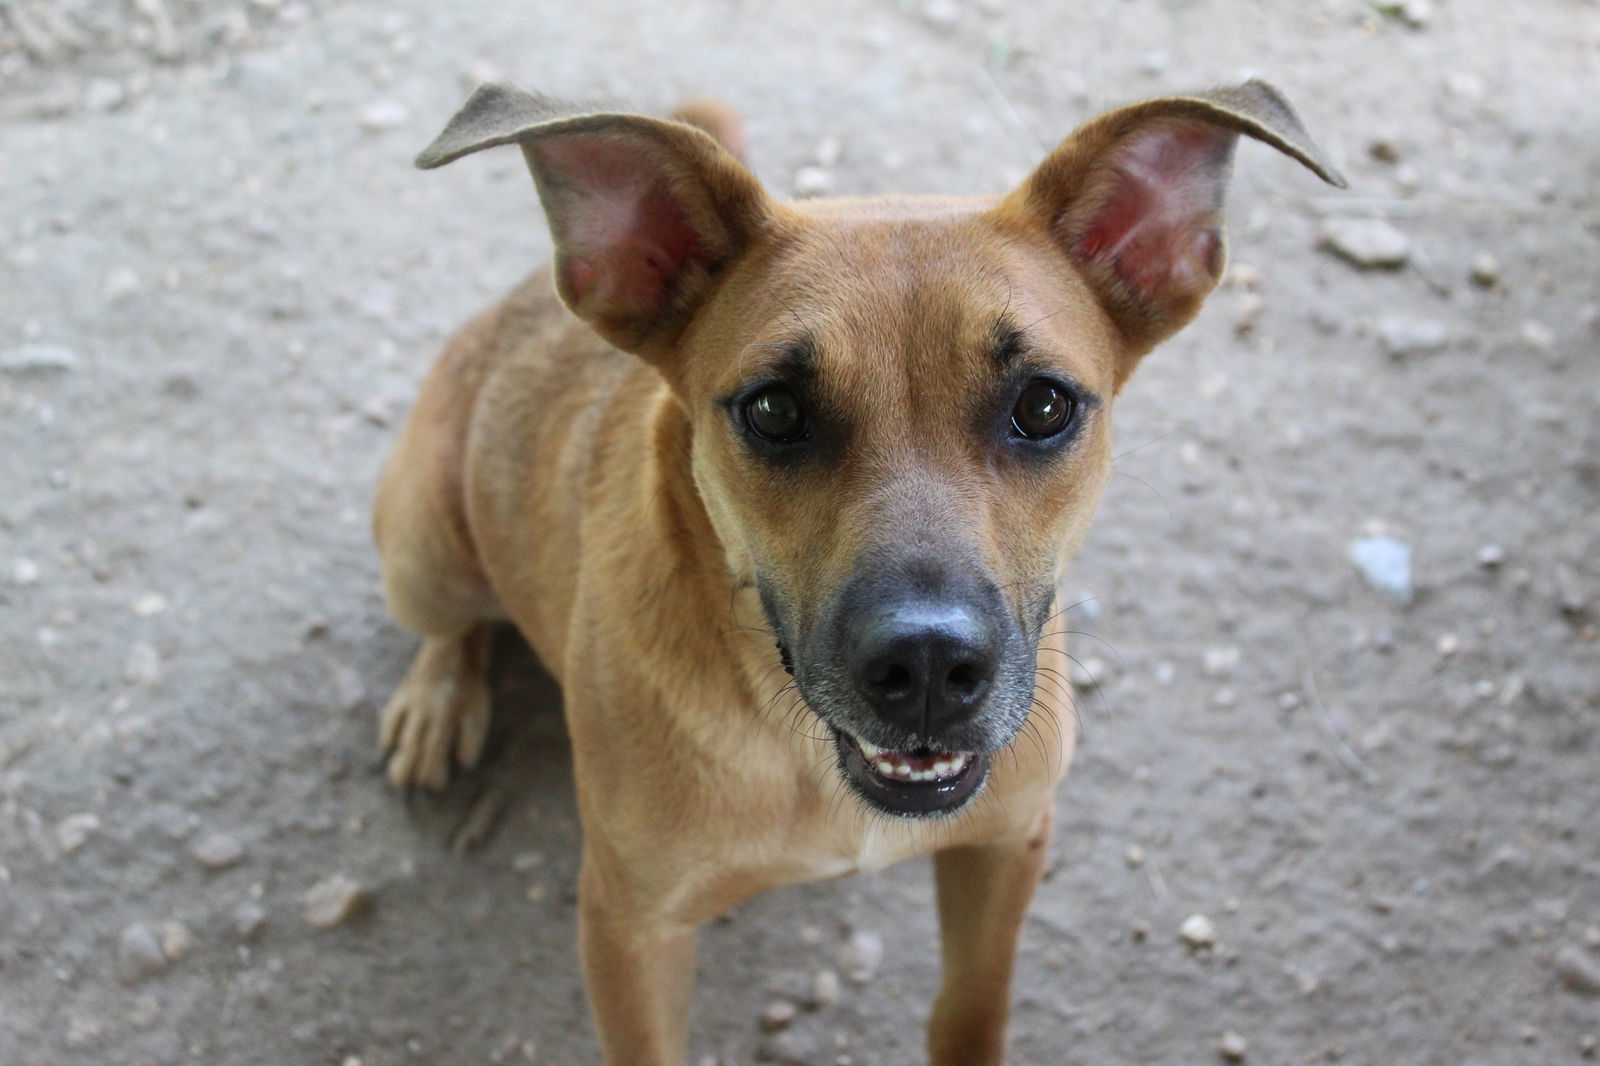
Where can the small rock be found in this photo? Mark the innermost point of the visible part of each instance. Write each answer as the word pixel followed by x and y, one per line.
pixel 1247 311
pixel 1578 971
pixel 24 572
pixel 74 830
pixel 1384 148
pixel 787 1048
pixel 334 901
pixel 812 181
pixel 1402 337
pixel 1219 662
pixel 1447 645
pixel 1134 856
pixel 1385 563
pixel 1232 1047
pixel 149 605
pixel 383 115
pixel 825 990
pixel 217 851
pixel 779 1014
pixel 121 285
pixel 1537 336
pixel 248 918
pixel 143 666
pixel 861 956
pixel 1485 271
pixel 103 94
pixel 176 941
pixel 1198 931
pixel 139 953
pixel 1491 556
pixel 1587 1046
pixel 37 358
pixel 1086 674
pixel 1367 243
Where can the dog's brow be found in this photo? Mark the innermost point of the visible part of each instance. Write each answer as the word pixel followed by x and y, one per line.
pixel 1008 342
pixel 794 359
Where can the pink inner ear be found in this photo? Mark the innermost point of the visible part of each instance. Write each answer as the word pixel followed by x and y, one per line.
pixel 625 238
pixel 1158 224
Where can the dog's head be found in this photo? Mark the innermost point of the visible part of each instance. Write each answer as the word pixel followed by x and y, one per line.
pixel 899 407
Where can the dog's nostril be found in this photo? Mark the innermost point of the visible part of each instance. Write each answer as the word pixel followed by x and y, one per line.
pixel 890 678
pixel 966 682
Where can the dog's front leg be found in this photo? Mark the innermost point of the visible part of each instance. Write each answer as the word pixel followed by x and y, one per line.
pixel 639 968
pixel 984 893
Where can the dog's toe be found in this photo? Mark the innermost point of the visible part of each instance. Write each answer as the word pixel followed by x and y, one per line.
pixel 432 725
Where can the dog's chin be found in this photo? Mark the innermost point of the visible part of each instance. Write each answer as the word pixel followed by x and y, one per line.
pixel 923 783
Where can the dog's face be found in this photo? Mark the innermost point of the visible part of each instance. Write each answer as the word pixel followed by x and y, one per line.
pixel 900 409
pixel 900 434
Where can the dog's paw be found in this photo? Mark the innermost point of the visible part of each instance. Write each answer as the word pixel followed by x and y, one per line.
pixel 434 721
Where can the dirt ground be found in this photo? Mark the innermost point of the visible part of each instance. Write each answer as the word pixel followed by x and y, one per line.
pixel 220 282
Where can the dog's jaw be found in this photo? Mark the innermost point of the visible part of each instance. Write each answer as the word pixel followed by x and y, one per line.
pixel 917 784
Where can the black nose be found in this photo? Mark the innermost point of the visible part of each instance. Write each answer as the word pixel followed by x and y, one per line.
pixel 923 666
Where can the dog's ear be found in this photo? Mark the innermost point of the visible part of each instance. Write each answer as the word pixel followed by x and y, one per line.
pixel 644 212
pixel 1135 198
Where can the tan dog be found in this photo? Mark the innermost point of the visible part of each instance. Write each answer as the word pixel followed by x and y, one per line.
pixel 870 433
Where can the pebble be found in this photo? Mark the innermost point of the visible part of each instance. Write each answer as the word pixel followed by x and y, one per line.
pixel 24 572
pixel 861 956
pixel 779 1014
pixel 1198 931
pixel 248 918
pixel 1219 662
pixel 37 359
pixel 1402 337
pixel 1384 148
pixel 74 830
pixel 1090 673
pixel 811 182
pixel 1134 856
pixel 1385 563
pixel 1247 311
pixel 1485 271
pixel 143 666
pixel 1579 971
pixel 335 900
pixel 176 941
pixel 217 851
pixel 383 115
pixel 1448 645
pixel 103 94
pixel 1232 1046
pixel 121 285
pixel 1367 243
pixel 1491 556
pixel 825 990
pixel 139 953
pixel 1537 336
pixel 787 1048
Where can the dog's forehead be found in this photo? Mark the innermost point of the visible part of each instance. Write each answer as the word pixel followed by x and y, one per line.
pixel 915 285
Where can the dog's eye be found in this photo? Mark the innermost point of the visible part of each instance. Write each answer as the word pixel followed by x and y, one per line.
pixel 775 414
pixel 1043 410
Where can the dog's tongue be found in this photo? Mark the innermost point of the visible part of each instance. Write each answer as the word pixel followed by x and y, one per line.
pixel 923 764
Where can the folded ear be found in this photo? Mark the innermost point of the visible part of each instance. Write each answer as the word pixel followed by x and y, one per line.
pixel 644 212
pixel 1135 198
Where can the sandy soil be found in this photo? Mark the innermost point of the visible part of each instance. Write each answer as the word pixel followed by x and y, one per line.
pixel 220 282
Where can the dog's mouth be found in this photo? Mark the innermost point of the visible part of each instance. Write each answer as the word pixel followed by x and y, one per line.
pixel 919 783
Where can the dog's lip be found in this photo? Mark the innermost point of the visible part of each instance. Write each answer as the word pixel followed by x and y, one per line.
pixel 911 784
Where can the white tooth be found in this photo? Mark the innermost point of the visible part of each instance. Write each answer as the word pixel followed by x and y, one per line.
pixel 902 770
pixel 885 767
pixel 871 750
pixel 942 768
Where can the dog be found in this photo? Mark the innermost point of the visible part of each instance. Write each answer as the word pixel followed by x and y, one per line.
pixel 782 494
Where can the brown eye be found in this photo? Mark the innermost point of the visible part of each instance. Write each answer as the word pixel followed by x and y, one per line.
pixel 1043 410
pixel 775 414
